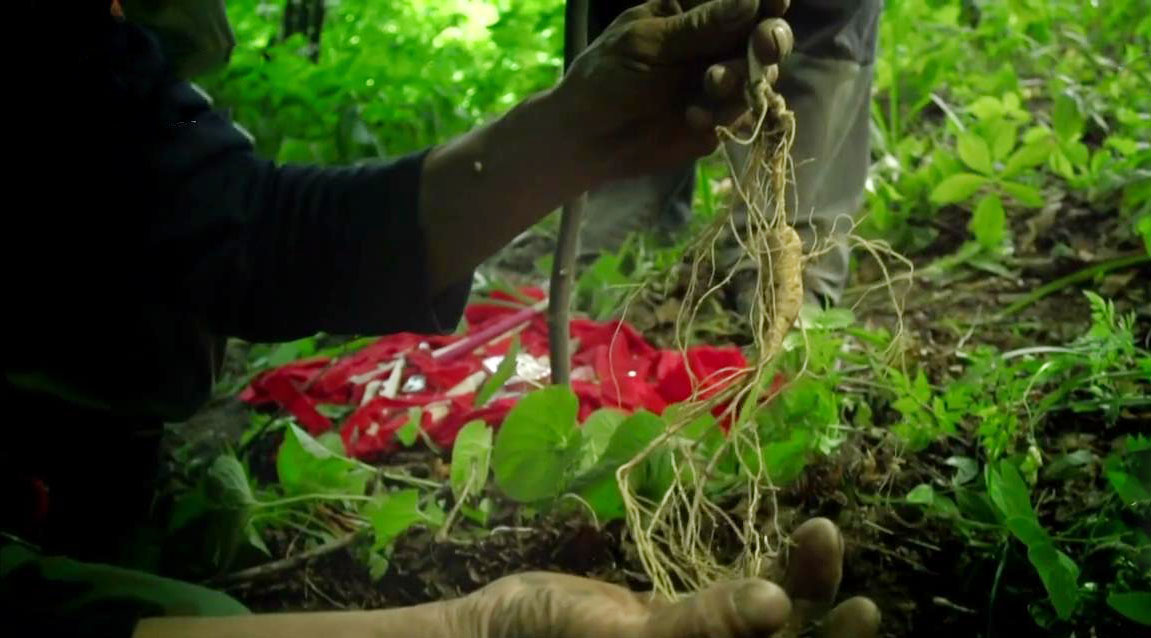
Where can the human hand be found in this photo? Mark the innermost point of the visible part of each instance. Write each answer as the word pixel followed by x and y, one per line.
pixel 195 34
pixel 651 89
pixel 549 605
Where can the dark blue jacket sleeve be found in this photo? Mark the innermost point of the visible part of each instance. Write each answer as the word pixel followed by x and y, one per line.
pixel 271 252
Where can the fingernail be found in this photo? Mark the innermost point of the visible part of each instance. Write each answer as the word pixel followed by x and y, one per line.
pixel 718 77
pixel 782 39
pixel 762 605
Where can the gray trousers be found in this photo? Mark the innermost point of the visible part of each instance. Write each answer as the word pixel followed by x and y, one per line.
pixel 827 84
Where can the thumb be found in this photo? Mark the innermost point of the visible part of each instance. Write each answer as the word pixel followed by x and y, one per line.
pixel 708 32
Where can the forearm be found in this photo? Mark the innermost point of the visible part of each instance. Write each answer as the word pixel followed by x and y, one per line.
pixel 480 190
pixel 430 620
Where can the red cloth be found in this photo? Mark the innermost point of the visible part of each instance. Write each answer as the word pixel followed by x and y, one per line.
pixel 629 374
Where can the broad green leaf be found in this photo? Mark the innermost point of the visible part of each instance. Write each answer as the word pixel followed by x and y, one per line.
pixel 658 475
pixel 957 188
pixel 784 460
pixel 1078 154
pixel 534 446
pixel 1135 605
pixel 391 514
pixel 1058 572
pixel 1124 145
pixel 226 483
pixel 1060 576
pixel 989 222
pixel 333 441
pixel 1028 156
pixel 630 438
pixel 503 372
pixel 598 429
pixel 974 152
pixel 921 494
pixel 1062 166
pixel 1024 194
pixel 604 498
pixel 986 108
pixel 702 427
pixel 1003 135
pixel 976 506
pixel 305 466
pixel 1066 119
pixel 471 457
pixel 598 484
pixel 1008 492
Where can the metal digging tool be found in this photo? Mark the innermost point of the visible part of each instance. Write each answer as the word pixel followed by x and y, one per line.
pixel 563 265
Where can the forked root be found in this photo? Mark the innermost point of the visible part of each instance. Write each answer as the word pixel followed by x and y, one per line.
pixel 680 539
pixel 676 538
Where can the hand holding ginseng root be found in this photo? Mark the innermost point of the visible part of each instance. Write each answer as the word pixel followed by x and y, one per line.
pixel 562 606
pixel 660 79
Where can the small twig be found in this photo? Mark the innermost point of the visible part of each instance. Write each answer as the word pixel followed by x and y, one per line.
pixel 290 562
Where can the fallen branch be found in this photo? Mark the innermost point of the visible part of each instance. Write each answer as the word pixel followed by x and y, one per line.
pixel 289 563
pixel 1074 278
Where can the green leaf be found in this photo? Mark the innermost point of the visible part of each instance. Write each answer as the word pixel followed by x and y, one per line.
pixel 986 108
pixel 290 351
pixel 534 446
pixel 989 222
pixel 1028 156
pixel 392 514
pixel 1060 576
pixel 1062 166
pixel 1067 119
pixel 957 188
pixel 598 429
pixel 256 540
pixel 976 506
pixel 966 468
pixel 598 485
pixel 631 437
pixel 785 460
pixel 333 442
pixel 1008 492
pixel 305 466
pixel 1003 135
pixel 1135 605
pixel 974 152
pixel 226 483
pixel 921 494
pixel 1026 195
pixel 471 457
pixel 503 372
pixel 407 433
pixel 1125 485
